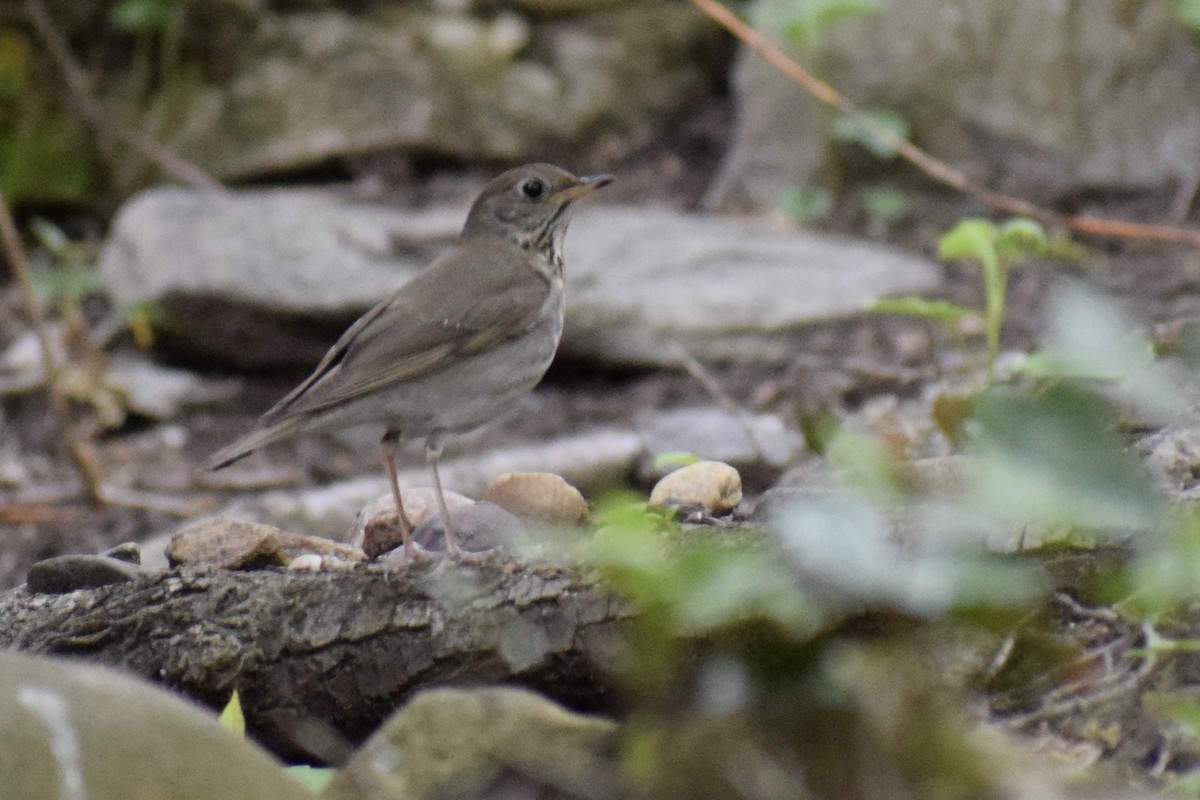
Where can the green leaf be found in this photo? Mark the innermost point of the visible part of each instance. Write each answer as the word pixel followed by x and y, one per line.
pixel 674 459
pixel 43 162
pixel 1188 12
pixel 143 16
pixel 943 311
pixel 49 235
pixel 805 205
pixel 841 542
pixel 1020 239
pixel 717 586
pixel 802 21
pixel 15 64
pixel 1090 335
pixel 315 779
pixel 973 238
pixel 866 464
pixel 69 284
pixel 1054 457
pixel 884 204
pixel 231 717
pixel 950 413
pixel 877 129
pixel 1168 575
pixel 976 239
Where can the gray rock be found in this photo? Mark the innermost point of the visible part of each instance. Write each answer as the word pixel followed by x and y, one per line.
pixel 264 262
pixel 74 730
pixel 1172 457
pixel 641 283
pixel 62 574
pixel 298 87
pixel 160 392
pixel 491 742
pixel 645 282
pixel 773 505
pixel 1016 93
pixel 153 555
pixel 759 446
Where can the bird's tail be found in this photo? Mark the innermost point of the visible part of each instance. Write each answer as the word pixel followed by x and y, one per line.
pixel 252 441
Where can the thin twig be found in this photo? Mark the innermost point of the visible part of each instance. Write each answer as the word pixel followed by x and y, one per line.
pixel 722 397
pixel 77 83
pixel 931 166
pixel 80 453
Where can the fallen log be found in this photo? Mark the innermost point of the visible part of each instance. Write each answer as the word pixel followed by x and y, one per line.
pixel 319 659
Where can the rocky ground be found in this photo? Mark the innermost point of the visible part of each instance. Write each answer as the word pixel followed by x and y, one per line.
pixel 725 337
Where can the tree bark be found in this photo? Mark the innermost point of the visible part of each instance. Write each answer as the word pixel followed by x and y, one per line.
pixel 320 659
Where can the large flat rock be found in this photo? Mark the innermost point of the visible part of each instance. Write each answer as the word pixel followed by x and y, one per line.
pixel 269 278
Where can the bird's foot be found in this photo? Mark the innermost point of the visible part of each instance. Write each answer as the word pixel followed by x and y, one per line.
pixel 400 557
pixel 457 555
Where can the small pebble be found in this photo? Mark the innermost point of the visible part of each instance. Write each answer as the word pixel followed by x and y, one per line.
pixel 541 497
pixel 711 485
pixel 129 552
pixel 308 562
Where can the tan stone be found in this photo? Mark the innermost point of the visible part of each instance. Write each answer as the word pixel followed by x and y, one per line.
pixel 234 544
pixel 715 486
pixel 541 497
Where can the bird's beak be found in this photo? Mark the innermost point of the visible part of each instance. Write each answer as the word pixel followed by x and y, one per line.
pixel 585 186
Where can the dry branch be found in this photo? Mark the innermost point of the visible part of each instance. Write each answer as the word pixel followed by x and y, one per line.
pixel 936 169
pixel 80 451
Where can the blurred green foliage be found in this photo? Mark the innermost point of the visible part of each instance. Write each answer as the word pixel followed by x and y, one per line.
pixel 42 155
pixel 874 129
pixel 803 21
pixel 749 643
pixel 997 249
pixel 805 205
pixel 145 16
pixel 1188 12
pixel 48 155
pixel 884 206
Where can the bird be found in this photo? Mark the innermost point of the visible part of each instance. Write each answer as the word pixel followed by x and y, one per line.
pixel 456 346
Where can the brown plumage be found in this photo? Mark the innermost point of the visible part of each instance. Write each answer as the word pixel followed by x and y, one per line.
pixel 458 344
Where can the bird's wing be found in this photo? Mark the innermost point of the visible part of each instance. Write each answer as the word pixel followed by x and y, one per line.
pixel 470 300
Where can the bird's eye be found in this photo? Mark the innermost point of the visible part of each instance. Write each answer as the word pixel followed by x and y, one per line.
pixel 533 188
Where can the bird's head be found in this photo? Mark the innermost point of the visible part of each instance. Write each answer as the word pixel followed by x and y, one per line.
pixel 530 205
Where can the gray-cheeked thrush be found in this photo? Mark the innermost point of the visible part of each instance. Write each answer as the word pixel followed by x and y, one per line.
pixel 457 346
